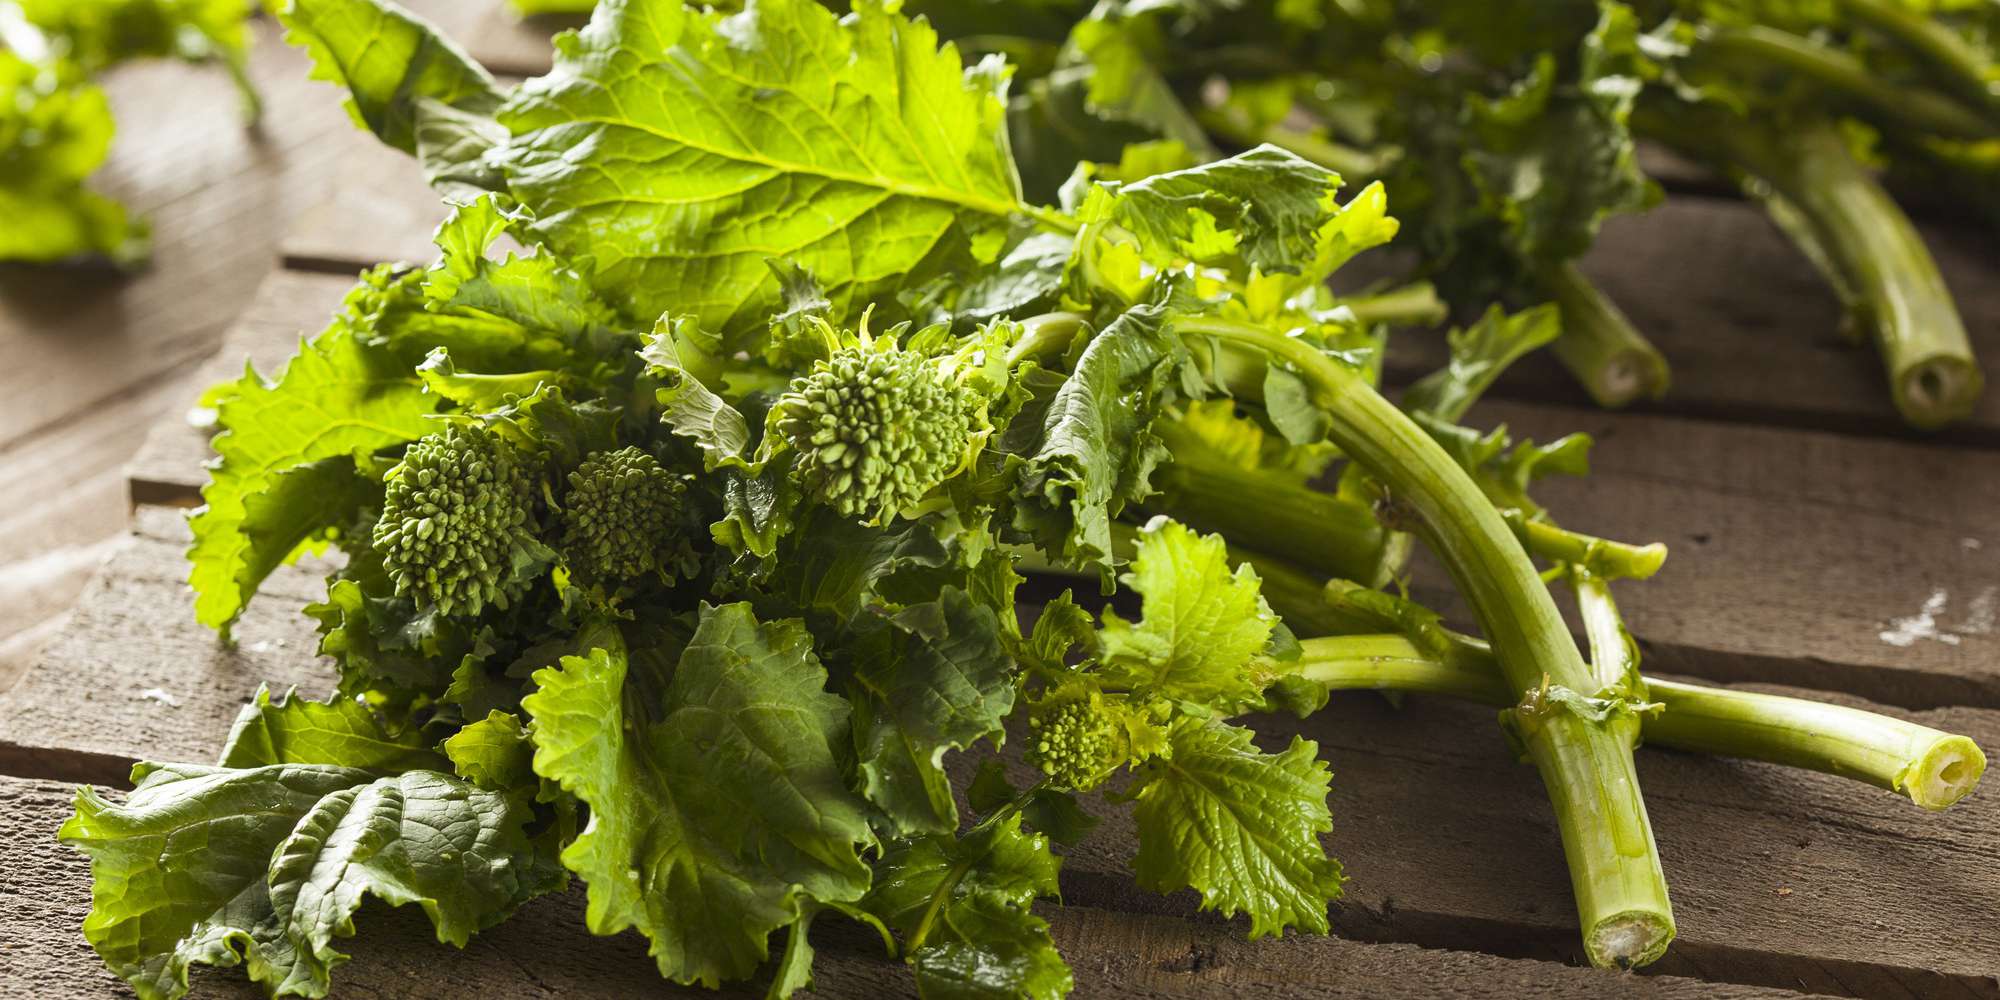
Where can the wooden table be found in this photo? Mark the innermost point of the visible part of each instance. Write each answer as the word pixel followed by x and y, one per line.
pixel 1804 522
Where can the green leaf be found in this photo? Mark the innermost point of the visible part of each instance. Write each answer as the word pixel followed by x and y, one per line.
pixel 1097 450
pixel 1238 826
pixel 900 150
pixel 335 398
pixel 1202 626
pixel 55 131
pixel 1479 354
pixel 938 679
pixel 718 815
pixel 342 732
pixel 390 61
pixel 968 898
pixel 265 866
pixel 494 753
pixel 1263 208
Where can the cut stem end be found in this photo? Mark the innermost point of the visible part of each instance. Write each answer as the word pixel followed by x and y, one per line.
pixel 1937 391
pixel 1630 940
pixel 1946 773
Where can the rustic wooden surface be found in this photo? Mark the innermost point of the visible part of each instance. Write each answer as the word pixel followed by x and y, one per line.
pixel 1780 878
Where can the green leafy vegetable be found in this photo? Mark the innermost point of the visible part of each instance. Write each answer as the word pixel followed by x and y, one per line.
pixel 782 285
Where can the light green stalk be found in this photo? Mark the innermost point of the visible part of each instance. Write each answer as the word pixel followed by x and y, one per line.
pixel 1613 360
pixel 1849 226
pixel 1934 769
pixel 1585 763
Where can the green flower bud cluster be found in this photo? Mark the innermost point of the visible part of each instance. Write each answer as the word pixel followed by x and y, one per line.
pixel 1073 740
pixel 458 508
pixel 875 429
pixel 622 516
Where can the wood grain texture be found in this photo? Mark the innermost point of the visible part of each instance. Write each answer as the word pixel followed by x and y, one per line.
pixel 1780 878
pixel 1793 552
pixel 544 951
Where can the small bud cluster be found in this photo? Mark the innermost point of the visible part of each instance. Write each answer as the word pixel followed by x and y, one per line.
pixel 875 430
pixel 622 515
pixel 1072 741
pixel 457 507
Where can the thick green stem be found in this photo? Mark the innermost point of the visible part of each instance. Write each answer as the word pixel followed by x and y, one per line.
pixel 1233 124
pixel 1932 768
pixel 1414 304
pixel 1759 49
pixel 1334 529
pixel 1943 53
pixel 1339 536
pixel 1586 765
pixel 1876 254
pixel 1613 360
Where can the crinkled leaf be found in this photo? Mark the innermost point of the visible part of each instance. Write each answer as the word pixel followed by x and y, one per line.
pixel 1201 627
pixel 342 732
pixel 971 897
pixel 717 814
pixel 335 398
pixel 1097 450
pixel 1263 208
pixel 494 753
pixel 901 151
pixel 390 61
pixel 1239 826
pixel 265 867
pixel 937 678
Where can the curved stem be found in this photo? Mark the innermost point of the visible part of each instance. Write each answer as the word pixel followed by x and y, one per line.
pixel 1756 48
pixel 1934 769
pixel 1414 304
pixel 1941 52
pixel 1613 360
pixel 1585 764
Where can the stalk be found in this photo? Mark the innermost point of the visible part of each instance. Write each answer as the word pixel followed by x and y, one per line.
pixel 1414 304
pixel 1586 765
pixel 1872 251
pixel 1334 528
pixel 1941 52
pixel 1353 165
pixel 1758 49
pixel 1331 533
pixel 1613 360
pixel 1932 768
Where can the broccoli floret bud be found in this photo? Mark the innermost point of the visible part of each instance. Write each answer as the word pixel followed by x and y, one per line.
pixel 459 507
pixel 621 518
pixel 875 429
pixel 1073 741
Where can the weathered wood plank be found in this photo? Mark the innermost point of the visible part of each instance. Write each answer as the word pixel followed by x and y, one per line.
pixel 1750 328
pixel 287 306
pixel 1793 551
pixel 544 951
pixel 1781 878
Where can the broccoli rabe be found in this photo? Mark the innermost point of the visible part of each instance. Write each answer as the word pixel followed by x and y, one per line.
pixel 1073 738
pixel 876 427
pixel 458 509
pixel 620 520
